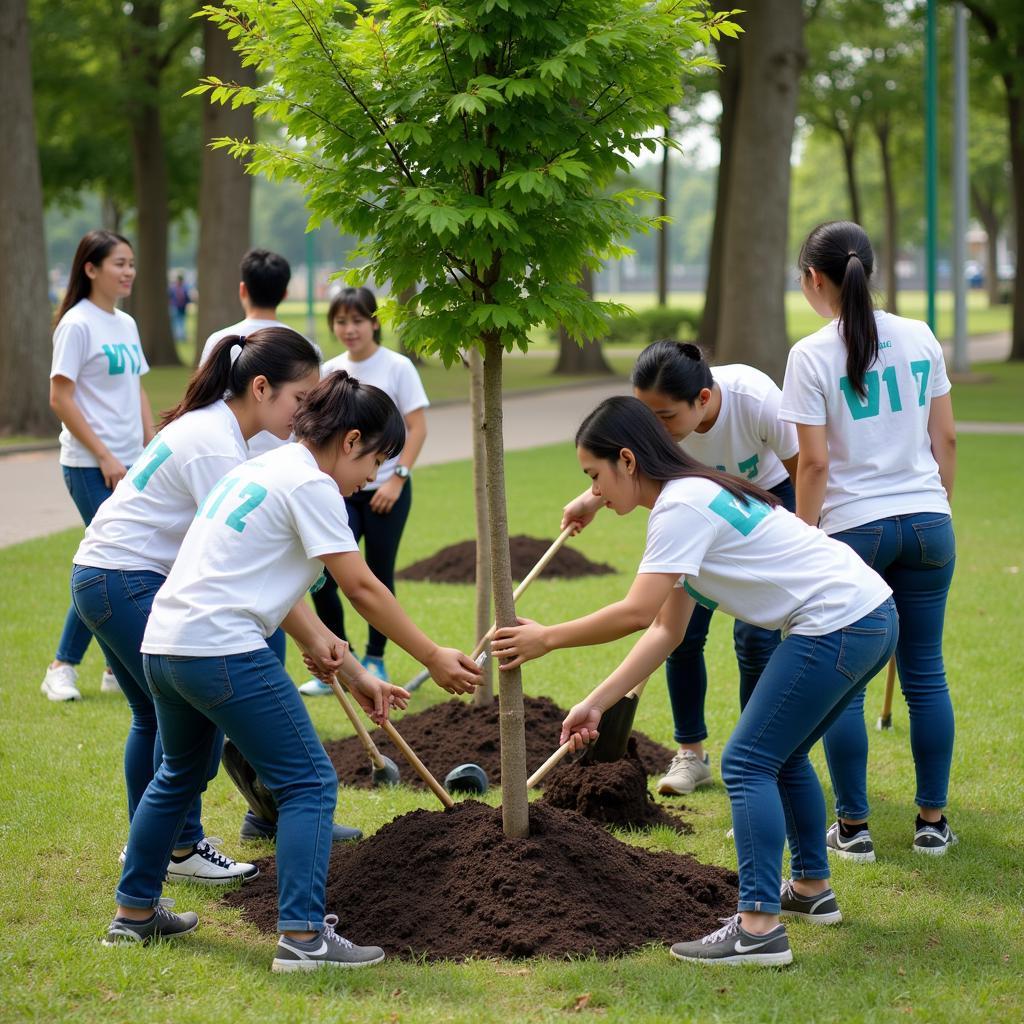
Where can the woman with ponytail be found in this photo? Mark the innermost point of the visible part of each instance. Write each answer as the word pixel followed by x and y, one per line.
pixel 871 402
pixel 259 540
pixel 721 541
pixel 249 384
pixel 725 417
pixel 96 390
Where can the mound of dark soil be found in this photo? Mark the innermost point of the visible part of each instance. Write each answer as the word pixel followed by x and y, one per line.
pixel 613 794
pixel 455 731
pixel 449 884
pixel 457 563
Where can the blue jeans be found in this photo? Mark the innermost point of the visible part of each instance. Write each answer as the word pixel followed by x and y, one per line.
pixel 115 605
pixel 915 555
pixel 249 697
pixel 686 672
pixel 88 491
pixel 772 785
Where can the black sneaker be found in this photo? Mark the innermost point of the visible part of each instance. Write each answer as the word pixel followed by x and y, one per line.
pixel 259 829
pixel 934 838
pixel 858 847
pixel 731 944
pixel 327 949
pixel 162 925
pixel 821 908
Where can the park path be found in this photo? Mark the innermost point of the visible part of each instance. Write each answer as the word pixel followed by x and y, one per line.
pixel 37 503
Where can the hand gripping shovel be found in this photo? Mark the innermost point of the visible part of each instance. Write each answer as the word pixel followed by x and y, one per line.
pixel 385 771
pixel 480 652
pixel 615 728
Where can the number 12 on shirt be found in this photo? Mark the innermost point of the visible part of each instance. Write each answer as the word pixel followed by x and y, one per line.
pixel 252 493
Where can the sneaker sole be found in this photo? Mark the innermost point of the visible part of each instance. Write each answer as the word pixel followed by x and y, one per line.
pixel 933 851
pixel 670 790
pixel 289 966
pixel 857 858
pixel 835 917
pixel 211 881
pixel 148 939
pixel 753 959
pixel 44 689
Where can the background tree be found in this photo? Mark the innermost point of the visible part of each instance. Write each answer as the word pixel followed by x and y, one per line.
pixel 469 146
pixel 24 326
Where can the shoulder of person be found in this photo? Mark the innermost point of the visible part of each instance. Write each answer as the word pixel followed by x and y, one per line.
pixel 339 362
pixel 744 380
pixel 905 327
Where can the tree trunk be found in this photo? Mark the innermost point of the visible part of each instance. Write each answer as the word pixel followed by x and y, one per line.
pixel 755 254
pixel 403 299
pixel 485 693
pixel 849 144
pixel 728 90
pixel 986 213
pixel 225 194
pixel 150 306
pixel 882 131
pixel 515 807
pixel 1015 121
pixel 664 270
pixel 574 358
pixel 24 326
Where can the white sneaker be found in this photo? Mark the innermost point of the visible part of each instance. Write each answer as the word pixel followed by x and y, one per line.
pixel 686 771
pixel 206 865
pixel 314 688
pixel 59 683
pixel 108 684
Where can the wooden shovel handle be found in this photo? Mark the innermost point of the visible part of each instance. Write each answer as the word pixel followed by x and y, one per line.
pixel 357 723
pixel 418 766
pixel 550 763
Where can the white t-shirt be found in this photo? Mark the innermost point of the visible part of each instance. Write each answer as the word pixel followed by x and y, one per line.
pixel 102 354
pixel 249 555
pixel 879 452
pixel 396 376
pixel 759 564
pixel 141 526
pixel 747 438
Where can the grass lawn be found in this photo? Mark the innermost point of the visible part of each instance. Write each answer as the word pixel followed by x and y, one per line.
pixel 929 940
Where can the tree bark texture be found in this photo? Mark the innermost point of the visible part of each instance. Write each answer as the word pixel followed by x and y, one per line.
pixel 882 132
pixel 225 194
pixel 574 358
pixel 752 320
pixel 485 693
pixel 848 142
pixel 985 210
pixel 25 348
pixel 728 90
pixel 515 808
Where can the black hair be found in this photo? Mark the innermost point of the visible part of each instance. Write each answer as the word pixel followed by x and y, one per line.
pixel 265 275
pixel 677 369
pixel 340 403
pixel 625 422
pixel 841 250
pixel 362 300
pixel 277 353
pixel 94 248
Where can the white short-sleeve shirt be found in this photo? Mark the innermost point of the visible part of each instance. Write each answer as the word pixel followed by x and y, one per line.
pixel 747 438
pixel 759 564
pixel 879 450
pixel 101 352
pixel 396 376
pixel 251 552
pixel 142 524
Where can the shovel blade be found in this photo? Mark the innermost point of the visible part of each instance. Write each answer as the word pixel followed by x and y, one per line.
pixel 613 732
pixel 261 801
pixel 386 775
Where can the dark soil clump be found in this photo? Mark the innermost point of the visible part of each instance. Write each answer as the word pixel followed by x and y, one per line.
pixel 614 793
pixel 455 731
pixel 457 563
pixel 449 884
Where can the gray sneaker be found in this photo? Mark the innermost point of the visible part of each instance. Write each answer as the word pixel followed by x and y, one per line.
pixel 820 908
pixel 858 847
pixel 685 772
pixel 731 944
pixel 328 949
pixel 162 925
pixel 934 839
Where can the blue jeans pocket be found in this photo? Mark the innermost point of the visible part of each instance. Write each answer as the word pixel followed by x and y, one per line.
pixel 205 684
pixel 938 543
pixel 861 646
pixel 91 601
pixel 864 540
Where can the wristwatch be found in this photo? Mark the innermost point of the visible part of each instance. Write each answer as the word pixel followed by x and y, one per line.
pixel 403 472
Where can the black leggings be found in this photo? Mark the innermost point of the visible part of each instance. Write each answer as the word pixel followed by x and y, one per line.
pixel 381 536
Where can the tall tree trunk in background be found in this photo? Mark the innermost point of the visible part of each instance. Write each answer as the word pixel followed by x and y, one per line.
pixel 848 141
pixel 728 90
pixel 485 693
pixel 225 193
pixel 663 264
pixel 150 300
pixel 882 132
pixel 586 358
pixel 515 806
pixel 752 320
pixel 24 325
pixel 111 214
pixel 986 213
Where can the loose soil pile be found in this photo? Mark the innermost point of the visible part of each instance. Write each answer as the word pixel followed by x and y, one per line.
pixel 614 794
pixel 455 731
pixel 449 884
pixel 457 563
